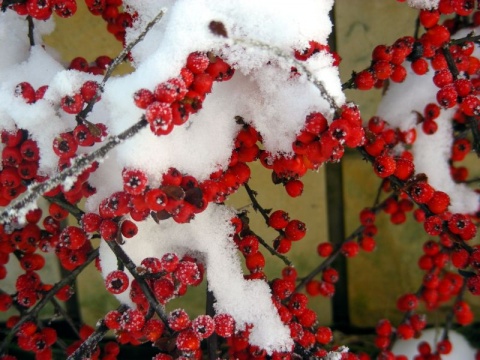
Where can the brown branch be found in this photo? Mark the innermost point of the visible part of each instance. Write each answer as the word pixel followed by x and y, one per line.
pixel 257 207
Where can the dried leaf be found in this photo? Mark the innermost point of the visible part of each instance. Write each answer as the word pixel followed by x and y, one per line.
pixel 218 28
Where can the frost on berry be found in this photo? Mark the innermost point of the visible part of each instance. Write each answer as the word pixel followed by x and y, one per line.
pixel 117 282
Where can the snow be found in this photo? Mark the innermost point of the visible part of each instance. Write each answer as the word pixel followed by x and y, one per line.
pixel 424 4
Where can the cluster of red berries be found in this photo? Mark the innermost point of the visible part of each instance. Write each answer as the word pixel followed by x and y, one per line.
pixel 386 64
pixel 110 11
pixel 43 9
pixel 317 143
pixel 37 340
pixel 289 230
pixel 172 102
pixel 455 72
pixel 443 347
pixel 168 278
pixel 97 67
pixel 293 309
pixel 131 326
pixel 461 147
pixel 385 332
pixel 20 157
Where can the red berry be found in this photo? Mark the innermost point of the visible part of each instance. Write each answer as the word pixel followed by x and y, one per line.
pixel 420 66
pixel 72 238
pixel 134 181
pixel 278 219
pixel 187 272
pixel 224 325
pixel 143 98
pixel 65 145
pixel 295 230
pixel 294 188
pixel 421 192
pixel 324 249
pixel 197 62
pixel 350 248
pixel 447 96
pixel 156 199
pixel 203 326
pixel 187 340
pixel 429 18
pixel 39 9
pixel 26 91
pixel 367 243
pixel 117 282
pixel 405 331
pixel 178 320
pixel 364 80
pixel 407 302
pixel 384 328
pixel 324 335
pixel 152 330
pixel 439 202
pixel 89 90
pixel 382 69
pixel 444 347
pixel 384 166
pixel 399 74
pixel 202 83
pixel 219 70
pixel 160 117
pixel 473 284
pixel 128 229
pixel 72 104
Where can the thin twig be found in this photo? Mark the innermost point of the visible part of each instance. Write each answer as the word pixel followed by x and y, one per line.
pixel 272 250
pixel 338 249
pixel 302 67
pixel 473 38
pixel 31 26
pixel 450 314
pixel 473 122
pixel 58 308
pixel 212 341
pixel 256 205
